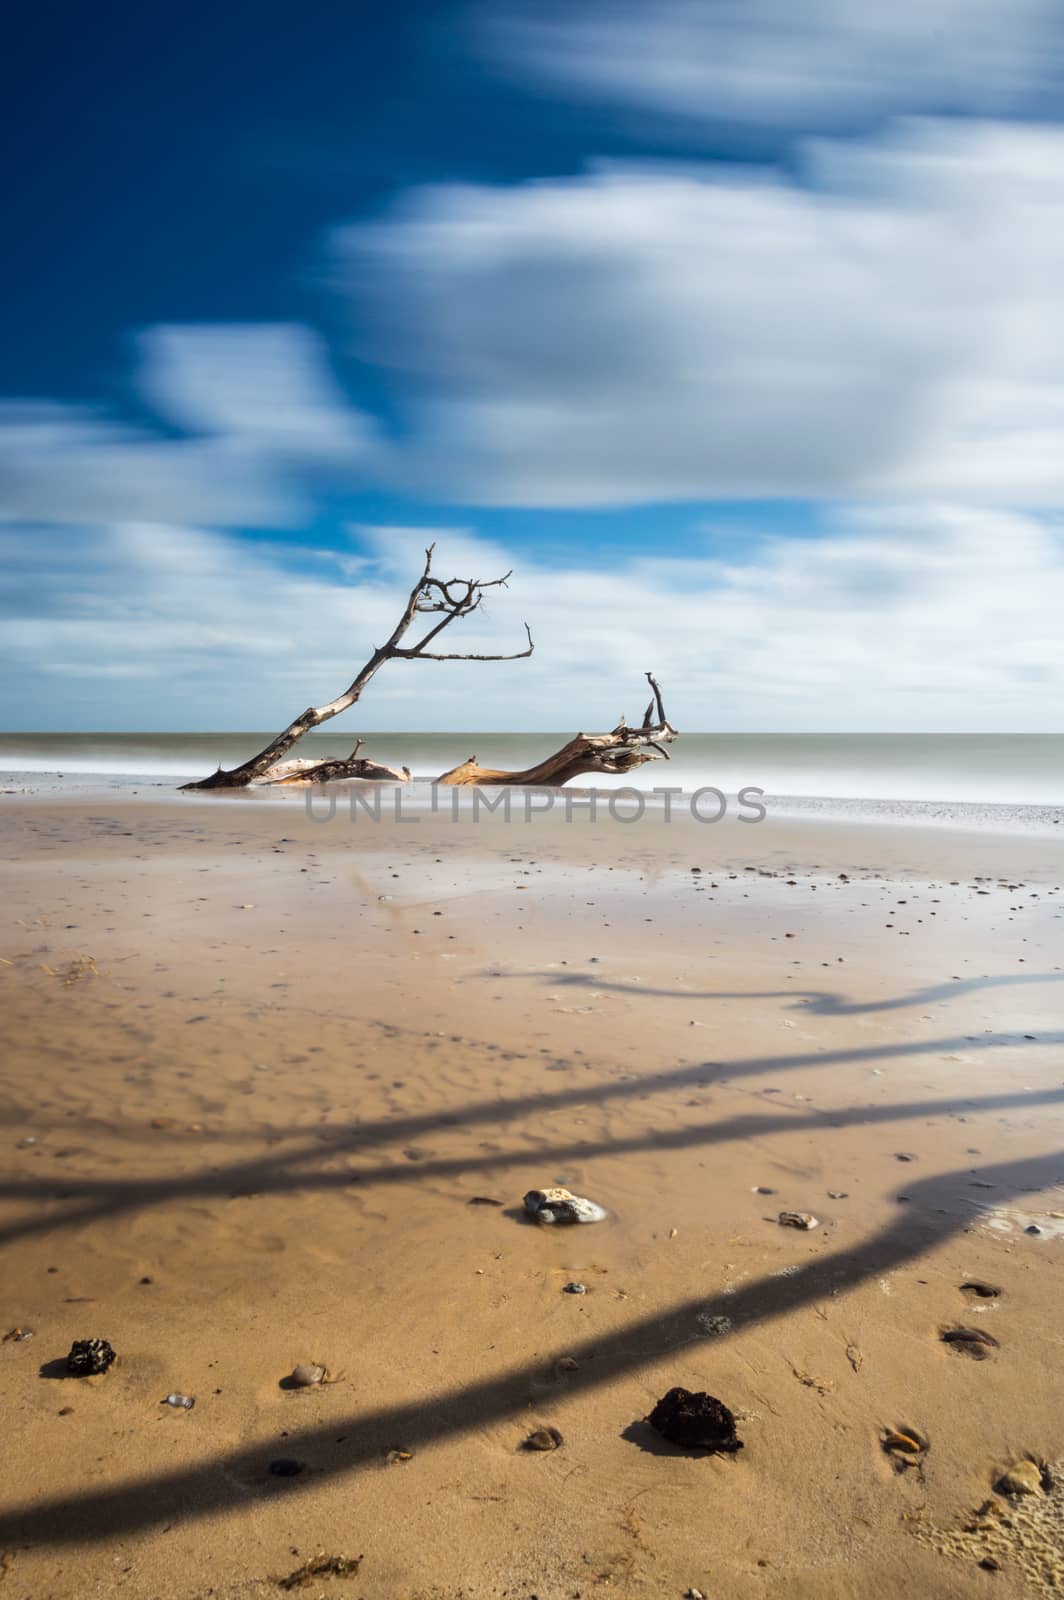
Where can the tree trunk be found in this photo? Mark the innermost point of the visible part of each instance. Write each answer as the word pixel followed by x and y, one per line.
pixel 589 753
pixel 452 600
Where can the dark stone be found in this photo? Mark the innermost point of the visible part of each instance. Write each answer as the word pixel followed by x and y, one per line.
pixel 695 1421
pixel 286 1467
pixel 88 1357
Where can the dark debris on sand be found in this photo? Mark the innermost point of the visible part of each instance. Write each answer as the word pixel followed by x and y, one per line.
pixel 695 1421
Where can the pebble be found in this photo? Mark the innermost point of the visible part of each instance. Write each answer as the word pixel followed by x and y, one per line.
pixel 17 1335
pixel 693 1594
pixel 543 1439
pixel 180 1402
pixel 1023 1477
pixel 286 1467
pixel 1034 1228
pixel 798 1219
pixel 549 1206
pixel 575 1288
pixel 838 1194
pixel 307 1374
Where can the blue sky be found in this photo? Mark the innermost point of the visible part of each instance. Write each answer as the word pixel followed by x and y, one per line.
pixel 734 328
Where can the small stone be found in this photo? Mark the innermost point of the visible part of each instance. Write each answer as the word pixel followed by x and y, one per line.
pixel 17 1335
pixel 798 1219
pixel 693 1594
pixel 543 1439
pixel 904 1155
pixel 575 1288
pixel 307 1374
pixel 180 1402
pixel 549 1206
pixel 568 1364
pixel 286 1467
pixel 838 1194
pixel 1034 1228
pixel 88 1357
pixel 1023 1477
pixel 988 1564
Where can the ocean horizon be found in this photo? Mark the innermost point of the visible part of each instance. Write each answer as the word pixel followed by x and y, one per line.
pixel 1017 777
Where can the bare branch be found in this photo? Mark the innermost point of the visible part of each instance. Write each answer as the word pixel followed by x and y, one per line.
pixel 614 753
pixel 455 599
pixel 418 653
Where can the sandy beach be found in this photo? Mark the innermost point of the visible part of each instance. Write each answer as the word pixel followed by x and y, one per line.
pixel 274 1090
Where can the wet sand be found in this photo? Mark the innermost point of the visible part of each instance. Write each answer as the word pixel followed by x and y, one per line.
pixel 257 1068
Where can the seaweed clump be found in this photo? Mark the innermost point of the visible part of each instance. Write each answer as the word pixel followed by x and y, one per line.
pixel 695 1421
pixel 88 1357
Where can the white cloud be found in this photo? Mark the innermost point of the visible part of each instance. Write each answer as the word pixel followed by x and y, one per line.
pixel 791 64
pixel 891 325
pixel 63 465
pixel 268 385
pixel 263 422
pixel 897 619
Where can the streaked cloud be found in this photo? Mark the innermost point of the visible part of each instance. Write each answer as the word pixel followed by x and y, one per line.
pixel 262 425
pixel 268 386
pixel 61 464
pixel 814 65
pixel 902 619
pixel 888 323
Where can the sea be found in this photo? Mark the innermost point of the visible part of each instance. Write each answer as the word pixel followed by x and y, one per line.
pixel 1004 781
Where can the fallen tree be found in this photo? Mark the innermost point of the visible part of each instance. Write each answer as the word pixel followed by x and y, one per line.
pixel 451 601
pixel 614 753
pixel 589 753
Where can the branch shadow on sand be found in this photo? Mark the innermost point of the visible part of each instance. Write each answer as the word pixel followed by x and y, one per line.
pixel 235 1480
pixel 292 1171
pixel 814 1002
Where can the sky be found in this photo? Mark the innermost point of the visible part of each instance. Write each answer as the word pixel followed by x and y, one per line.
pixel 733 327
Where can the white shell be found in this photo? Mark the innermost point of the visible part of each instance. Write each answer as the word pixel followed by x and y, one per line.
pixel 307 1374
pixel 798 1219
pixel 558 1205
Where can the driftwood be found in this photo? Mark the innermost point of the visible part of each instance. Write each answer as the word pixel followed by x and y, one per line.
pixel 450 601
pixel 609 754
pixel 352 766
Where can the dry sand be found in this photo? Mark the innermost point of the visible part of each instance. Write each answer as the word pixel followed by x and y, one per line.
pixel 258 1068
